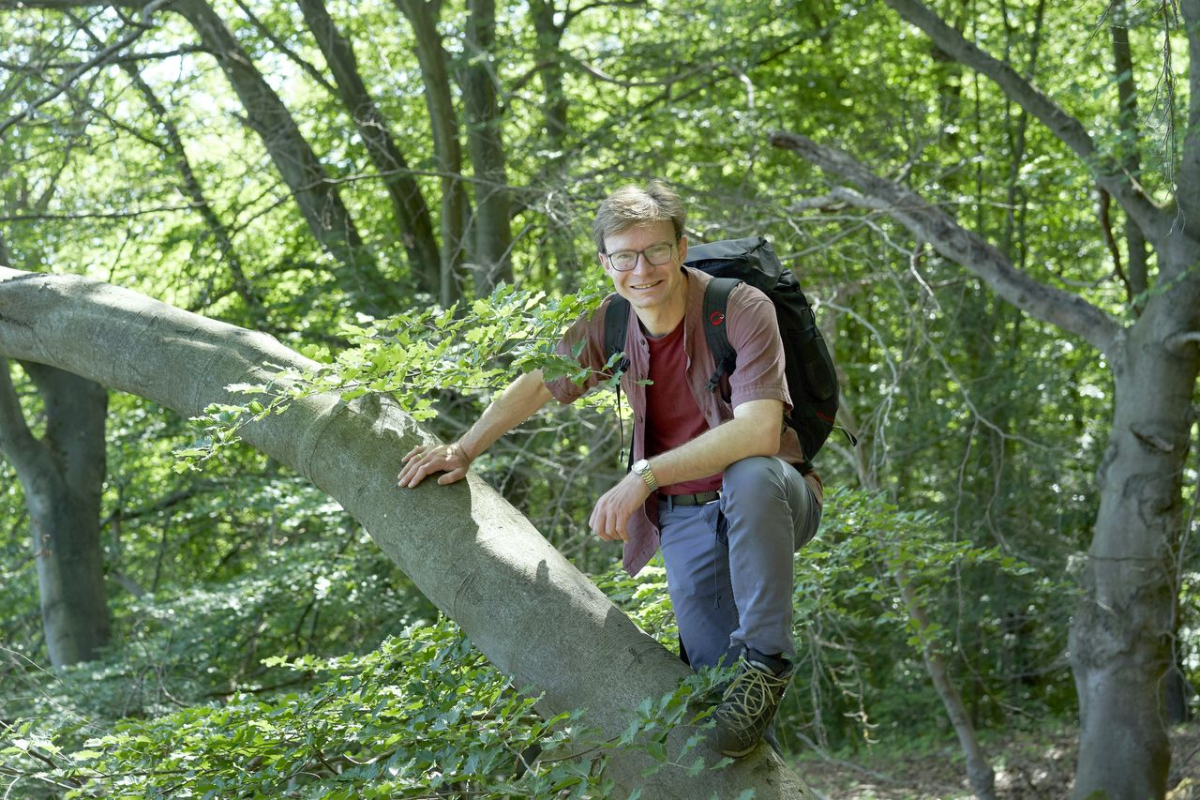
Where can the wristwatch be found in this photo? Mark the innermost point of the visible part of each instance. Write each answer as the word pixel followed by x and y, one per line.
pixel 642 468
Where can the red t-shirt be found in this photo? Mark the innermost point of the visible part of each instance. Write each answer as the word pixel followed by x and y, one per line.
pixel 672 416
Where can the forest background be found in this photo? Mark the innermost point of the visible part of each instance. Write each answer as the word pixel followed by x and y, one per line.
pixel 992 204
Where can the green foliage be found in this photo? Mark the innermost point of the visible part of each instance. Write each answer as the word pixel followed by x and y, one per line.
pixel 860 644
pixel 983 426
pixel 422 713
pixel 415 357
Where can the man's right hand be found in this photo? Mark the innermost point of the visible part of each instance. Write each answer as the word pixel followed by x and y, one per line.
pixel 426 459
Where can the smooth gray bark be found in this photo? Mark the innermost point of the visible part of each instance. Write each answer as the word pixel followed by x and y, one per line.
pixel 62 475
pixel 536 617
pixel 408 205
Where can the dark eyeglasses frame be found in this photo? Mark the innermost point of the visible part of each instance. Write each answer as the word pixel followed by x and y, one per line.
pixel 642 253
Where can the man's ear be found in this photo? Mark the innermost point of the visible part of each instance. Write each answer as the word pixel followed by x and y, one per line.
pixel 683 243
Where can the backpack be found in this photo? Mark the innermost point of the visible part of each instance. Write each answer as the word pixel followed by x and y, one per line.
pixel 808 367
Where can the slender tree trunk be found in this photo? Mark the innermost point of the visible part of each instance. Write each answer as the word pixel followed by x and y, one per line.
pixel 979 770
pixel 318 198
pixel 431 55
pixel 492 225
pixel 522 603
pixel 62 475
pixel 553 177
pixel 408 205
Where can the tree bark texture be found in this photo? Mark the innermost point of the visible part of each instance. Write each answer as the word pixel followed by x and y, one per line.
pixel 522 603
pixel 62 474
pixel 408 205
pixel 1121 636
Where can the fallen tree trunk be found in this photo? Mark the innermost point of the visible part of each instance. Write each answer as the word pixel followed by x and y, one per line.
pixel 536 617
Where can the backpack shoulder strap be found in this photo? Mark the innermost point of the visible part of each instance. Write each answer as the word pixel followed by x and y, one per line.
pixel 616 324
pixel 716 302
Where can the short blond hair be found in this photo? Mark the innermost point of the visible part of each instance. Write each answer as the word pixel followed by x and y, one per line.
pixel 632 206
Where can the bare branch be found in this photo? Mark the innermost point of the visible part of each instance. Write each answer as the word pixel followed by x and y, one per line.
pixel 570 15
pixel 97 214
pixel 20 5
pixel 1154 222
pixel 307 66
pixel 130 58
pixel 931 224
pixel 103 57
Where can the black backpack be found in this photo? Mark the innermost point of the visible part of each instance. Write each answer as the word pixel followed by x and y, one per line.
pixel 811 377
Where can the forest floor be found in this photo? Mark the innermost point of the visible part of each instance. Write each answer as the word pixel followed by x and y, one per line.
pixel 1028 767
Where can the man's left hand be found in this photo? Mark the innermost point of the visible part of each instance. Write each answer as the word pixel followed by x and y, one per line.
pixel 610 517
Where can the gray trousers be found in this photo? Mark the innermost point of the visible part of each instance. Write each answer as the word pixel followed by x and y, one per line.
pixel 729 563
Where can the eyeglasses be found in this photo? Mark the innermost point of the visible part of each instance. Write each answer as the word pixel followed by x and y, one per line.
pixel 656 255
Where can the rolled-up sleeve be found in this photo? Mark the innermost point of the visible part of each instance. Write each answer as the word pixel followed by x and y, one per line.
pixel 753 331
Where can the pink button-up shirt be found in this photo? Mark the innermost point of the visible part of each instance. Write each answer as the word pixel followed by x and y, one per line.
pixel 754 333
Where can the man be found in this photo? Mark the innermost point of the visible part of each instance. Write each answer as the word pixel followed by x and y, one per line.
pixel 716 481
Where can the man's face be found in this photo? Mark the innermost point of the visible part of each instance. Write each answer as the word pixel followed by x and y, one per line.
pixel 647 285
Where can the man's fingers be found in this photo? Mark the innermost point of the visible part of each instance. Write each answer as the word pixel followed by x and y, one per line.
pixel 452 477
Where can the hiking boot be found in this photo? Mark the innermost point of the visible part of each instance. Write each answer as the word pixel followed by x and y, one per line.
pixel 750 703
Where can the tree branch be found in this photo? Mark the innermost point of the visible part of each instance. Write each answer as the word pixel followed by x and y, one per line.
pixel 60 5
pixel 131 58
pixel 1154 222
pixel 96 214
pixel 570 15
pixel 306 66
pixel 927 222
pixel 103 57
pixel 17 442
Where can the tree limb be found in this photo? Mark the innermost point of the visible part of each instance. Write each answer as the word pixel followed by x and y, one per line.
pixel 1154 222
pixel 101 58
pixel 307 66
pixel 17 442
pixel 927 222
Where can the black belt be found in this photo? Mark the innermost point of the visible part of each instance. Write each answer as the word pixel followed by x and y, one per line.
pixel 701 499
